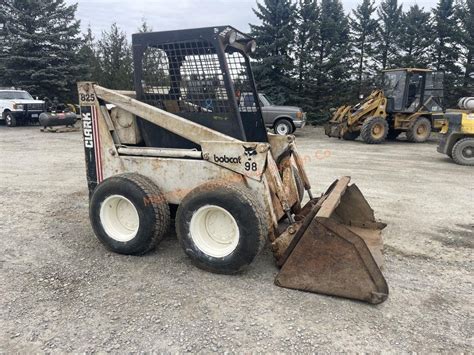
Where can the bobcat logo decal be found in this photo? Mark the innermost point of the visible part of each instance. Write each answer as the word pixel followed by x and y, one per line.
pixel 250 151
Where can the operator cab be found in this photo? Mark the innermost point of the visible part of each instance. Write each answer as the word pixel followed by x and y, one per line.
pixel 410 90
pixel 198 74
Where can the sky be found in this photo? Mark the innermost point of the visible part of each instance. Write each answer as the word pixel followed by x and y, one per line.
pixel 164 15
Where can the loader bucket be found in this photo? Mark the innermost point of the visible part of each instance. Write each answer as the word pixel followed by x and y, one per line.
pixel 334 248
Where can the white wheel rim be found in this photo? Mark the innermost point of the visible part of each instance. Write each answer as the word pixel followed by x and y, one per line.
pixel 214 231
pixel 282 129
pixel 119 218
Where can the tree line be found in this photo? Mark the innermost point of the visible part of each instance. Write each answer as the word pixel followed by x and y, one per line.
pixel 310 53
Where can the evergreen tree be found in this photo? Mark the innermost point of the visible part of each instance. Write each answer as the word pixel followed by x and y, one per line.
pixel 145 27
pixel 89 56
pixel 364 29
pixel 115 58
pixel 41 46
pixel 274 38
pixel 333 59
pixel 446 51
pixel 3 40
pixel 414 45
pixel 465 12
pixel 307 23
pixel 389 32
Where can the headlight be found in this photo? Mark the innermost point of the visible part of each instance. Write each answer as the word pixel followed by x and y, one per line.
pixel 252 47
pixel 299 114
pixel 231 37
pixel 18 106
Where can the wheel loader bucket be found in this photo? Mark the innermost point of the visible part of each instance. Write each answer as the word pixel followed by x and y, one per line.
pixel 335 247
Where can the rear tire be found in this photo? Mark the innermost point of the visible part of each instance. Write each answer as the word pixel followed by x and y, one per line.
pixel 129 214
pixel 374 130
pixel 283 127
pixel 463 152
pixel 351 136
pixel 222 228
pixel 10 120
pixel 420 131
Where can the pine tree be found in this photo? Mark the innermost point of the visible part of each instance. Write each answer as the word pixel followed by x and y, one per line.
pixel 465 13
pixel 307 24
pixel 414 45
pixel 89 56
pixel 389 32
pixel 446 52
pixel 332 60
pixel 363 31
pixel 145 27
pixel 274 38
pixel 3 41
pixel 115 58
pixel 42 41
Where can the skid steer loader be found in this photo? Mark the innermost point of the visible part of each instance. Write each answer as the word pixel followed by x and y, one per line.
pixel 410 102
pixel 180 139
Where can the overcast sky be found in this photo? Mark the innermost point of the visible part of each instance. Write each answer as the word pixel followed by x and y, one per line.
pixel 178 14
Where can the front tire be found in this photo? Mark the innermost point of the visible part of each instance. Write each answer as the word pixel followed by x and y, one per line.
pixel 222 228
pixel 420 131
pixel 129 214
pixel 463 152
pixel 374 130
pixel 10 120
pixel 283 127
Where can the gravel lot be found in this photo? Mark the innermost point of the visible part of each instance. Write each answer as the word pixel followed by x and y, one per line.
pixel 61 291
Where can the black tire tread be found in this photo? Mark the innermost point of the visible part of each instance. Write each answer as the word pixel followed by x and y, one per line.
pixel 287 121
pixel 365 131
pixel 162 211
pixel 160 208
pixel 13 120
pixel 411 135
pixel 456 154
pixel 245 196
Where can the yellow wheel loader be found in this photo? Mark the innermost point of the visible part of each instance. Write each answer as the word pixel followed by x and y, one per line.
pixel 457 135
pixel 181 141
pixel 410 102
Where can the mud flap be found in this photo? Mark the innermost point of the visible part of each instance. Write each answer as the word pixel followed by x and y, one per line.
pixel 335 248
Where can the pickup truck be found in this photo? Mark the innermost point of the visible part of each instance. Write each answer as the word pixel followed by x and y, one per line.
pixel 19 107
pixel 282 119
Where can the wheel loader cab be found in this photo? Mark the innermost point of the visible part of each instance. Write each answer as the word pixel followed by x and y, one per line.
pixel 197 74
pixel 411 90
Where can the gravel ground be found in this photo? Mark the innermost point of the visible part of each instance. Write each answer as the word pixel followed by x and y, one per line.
pixel 61 291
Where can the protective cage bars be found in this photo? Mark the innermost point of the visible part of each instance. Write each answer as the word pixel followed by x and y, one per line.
pixel 185 77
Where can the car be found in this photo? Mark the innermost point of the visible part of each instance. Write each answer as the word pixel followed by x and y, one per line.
pixel 282 119
pixel 19 107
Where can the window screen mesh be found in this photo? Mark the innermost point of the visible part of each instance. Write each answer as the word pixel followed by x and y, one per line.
pixel 188 77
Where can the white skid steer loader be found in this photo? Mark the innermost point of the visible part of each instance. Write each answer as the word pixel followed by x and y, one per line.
pixel 184 140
